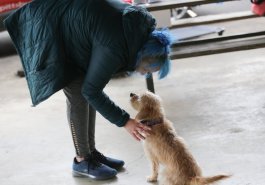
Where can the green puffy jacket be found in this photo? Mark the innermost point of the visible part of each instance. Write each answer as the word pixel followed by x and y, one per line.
pixel 59 40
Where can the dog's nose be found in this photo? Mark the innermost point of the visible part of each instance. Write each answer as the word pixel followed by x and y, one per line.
pixel 132 94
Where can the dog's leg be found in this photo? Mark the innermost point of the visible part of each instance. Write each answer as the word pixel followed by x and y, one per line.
pixel 171 177
pixel 155 168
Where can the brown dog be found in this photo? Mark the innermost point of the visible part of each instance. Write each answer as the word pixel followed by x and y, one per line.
pixel 163 146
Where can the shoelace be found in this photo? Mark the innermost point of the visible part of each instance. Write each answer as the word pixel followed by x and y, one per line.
pixel 98 156
pixel 92 160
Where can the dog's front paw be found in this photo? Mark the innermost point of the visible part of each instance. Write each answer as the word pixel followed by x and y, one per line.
pixel 152 179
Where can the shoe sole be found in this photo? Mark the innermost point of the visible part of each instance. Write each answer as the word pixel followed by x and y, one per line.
pixel 80 174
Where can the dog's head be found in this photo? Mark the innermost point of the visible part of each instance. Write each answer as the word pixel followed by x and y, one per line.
pixel 146 101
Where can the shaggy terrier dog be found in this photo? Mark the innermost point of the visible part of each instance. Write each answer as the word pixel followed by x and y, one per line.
pixel 163 146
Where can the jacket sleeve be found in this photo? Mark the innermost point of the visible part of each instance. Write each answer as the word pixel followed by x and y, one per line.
pixel 103 64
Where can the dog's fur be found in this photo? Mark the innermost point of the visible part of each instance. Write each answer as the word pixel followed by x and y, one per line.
pixel 164 146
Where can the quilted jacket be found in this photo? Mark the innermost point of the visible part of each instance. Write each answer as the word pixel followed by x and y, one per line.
pixel 59 40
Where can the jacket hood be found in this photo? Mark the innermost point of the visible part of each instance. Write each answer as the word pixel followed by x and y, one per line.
pixel 138 23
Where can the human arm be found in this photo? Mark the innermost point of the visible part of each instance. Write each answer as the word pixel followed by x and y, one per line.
pixel 98 75
pixel 104 62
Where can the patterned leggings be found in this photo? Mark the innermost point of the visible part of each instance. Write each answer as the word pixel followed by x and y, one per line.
pixel 81 117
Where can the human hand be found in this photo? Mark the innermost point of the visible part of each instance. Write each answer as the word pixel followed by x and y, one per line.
pixel 136 129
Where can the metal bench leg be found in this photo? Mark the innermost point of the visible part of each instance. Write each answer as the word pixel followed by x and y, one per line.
pixel 150 83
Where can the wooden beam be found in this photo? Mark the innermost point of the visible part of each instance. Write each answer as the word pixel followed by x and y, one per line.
pixel 217 39
pixel 213 46
pixel 163 5
pixel 207 19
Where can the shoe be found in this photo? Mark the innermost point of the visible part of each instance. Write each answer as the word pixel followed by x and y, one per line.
pixel 92 169
pixel 113 163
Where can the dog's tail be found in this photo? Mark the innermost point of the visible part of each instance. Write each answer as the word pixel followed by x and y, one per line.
pixel 207 180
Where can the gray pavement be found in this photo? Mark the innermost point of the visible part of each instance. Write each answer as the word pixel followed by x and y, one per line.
pixel 217 104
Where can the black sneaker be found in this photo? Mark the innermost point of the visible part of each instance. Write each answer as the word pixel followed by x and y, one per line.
pixel 92 169
pixel 113 163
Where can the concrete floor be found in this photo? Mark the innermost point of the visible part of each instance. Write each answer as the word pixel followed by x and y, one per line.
pixel 217 104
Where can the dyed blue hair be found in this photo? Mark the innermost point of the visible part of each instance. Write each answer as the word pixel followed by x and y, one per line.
pixel 157 47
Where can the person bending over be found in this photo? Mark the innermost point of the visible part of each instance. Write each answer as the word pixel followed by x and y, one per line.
pixel 78 46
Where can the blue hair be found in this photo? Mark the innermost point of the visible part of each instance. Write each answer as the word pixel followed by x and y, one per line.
pixel 157 47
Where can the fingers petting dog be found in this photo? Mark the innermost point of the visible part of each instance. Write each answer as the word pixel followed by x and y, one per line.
pixel 137 130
